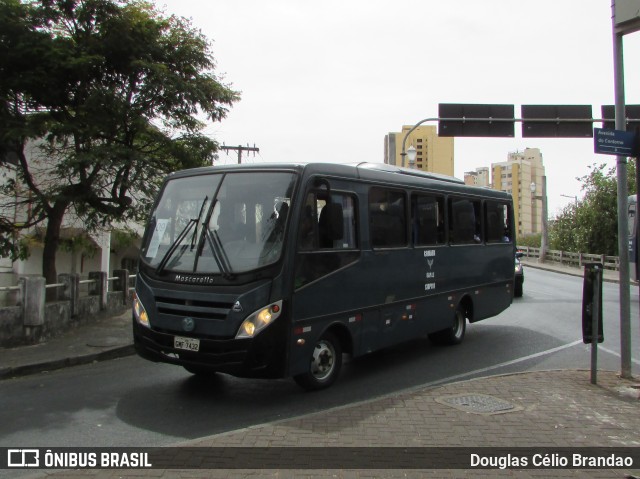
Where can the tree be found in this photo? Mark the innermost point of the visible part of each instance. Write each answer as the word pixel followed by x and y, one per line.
pixel 591 226
pixel 109 96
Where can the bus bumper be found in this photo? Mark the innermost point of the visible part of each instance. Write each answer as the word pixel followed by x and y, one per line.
pixel 259 357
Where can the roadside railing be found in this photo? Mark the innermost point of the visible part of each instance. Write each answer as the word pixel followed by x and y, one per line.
pixel 572 259
pixel 33 310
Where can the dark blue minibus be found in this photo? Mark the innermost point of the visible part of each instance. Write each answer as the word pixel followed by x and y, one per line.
pixel 277 270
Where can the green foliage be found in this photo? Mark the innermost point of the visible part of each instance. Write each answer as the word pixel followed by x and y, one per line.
pixel 123 238
pixel 591 226
pixel 531 240
pixel 117 91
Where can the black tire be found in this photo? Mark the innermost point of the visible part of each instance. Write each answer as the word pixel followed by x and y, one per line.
pixel 517 290
pixel 454 334
pixel 324 364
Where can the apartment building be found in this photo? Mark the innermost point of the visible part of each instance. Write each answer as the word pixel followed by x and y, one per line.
pixel 433 153
pixel 521 176
pixel 478 177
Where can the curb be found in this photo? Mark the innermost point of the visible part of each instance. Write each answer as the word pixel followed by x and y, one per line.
pixel 577 273
pixel 29 369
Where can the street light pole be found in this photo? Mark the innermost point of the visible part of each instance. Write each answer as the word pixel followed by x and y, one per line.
pixel 575 198
pixel 404 153
pixel 544 229
pixel 411 156
pixel 621 169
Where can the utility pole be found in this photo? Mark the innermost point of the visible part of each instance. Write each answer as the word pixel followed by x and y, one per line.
pixel 240 149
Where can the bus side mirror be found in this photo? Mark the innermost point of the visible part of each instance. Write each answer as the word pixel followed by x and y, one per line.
pixel 519 254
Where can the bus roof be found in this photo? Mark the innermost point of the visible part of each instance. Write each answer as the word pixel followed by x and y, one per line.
pixel 374 172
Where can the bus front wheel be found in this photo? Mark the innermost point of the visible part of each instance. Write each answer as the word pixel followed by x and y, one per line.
pixel 454 334
pixel 324 365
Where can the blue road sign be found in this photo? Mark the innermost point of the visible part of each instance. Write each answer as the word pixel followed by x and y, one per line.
pixel 614 142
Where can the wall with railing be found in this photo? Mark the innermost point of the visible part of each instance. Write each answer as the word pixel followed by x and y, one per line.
pixel 572 259
pixel 34 311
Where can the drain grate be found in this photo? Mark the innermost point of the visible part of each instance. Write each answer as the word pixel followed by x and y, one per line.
pixel 478 403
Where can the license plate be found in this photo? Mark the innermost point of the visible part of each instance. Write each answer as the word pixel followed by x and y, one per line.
pixel 187 344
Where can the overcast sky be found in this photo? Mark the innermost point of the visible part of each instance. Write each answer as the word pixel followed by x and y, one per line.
pixel 326 80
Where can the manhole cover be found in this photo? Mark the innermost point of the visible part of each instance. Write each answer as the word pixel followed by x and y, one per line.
pixel 478 403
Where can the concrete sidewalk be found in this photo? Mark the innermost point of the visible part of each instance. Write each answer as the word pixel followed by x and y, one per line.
pixel 106 338
pixel 549 409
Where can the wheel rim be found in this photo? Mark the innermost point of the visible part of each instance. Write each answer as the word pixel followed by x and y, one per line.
pixel 458 327
pixel 323 361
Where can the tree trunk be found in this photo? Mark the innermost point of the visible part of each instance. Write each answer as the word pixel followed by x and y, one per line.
pixel 51 241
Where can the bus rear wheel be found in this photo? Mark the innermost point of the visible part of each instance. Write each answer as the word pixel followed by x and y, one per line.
pixel 454 334
pixel 324 365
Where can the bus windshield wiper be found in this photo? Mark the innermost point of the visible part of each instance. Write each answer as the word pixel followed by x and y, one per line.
pixel 195 232
pixel 175 244
pixel 192 222
pixel 213 240
pixel 219 254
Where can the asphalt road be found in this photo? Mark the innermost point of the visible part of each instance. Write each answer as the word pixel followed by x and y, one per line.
pixel 131 402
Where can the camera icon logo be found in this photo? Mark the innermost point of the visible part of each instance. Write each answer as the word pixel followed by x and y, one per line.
pixel 23 458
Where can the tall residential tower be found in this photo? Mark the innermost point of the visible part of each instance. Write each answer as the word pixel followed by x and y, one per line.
pixel 433 153
pixel 516 176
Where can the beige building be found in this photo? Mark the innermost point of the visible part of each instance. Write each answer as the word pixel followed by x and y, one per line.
pixel 479 177
pixel 433 153
pixel 515 176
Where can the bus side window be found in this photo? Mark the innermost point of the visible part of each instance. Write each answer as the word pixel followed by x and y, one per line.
pixel 465 224
pixel 328 225
pixel 387 218
pixel 327 237
pixel 427 220
pixel 496 225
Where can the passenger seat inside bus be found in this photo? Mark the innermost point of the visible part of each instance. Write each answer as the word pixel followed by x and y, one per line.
pixel 330 225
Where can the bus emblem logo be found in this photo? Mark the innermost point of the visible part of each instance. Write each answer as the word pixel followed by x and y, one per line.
pixel 188 324
pixel 237 307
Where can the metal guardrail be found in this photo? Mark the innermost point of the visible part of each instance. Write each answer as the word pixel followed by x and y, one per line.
pixel 9 288
pixel 573 259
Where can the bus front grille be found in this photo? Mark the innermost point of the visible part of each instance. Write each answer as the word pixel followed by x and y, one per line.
pixel 192 308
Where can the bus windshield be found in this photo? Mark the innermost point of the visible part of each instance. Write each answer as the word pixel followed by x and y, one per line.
pixel 219 223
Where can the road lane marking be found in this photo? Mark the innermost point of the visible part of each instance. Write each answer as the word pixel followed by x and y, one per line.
pixel 501 365
pixel 635 361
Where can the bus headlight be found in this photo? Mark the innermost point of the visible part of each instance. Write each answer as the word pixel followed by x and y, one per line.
pixel 259 320
pixel 139 312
